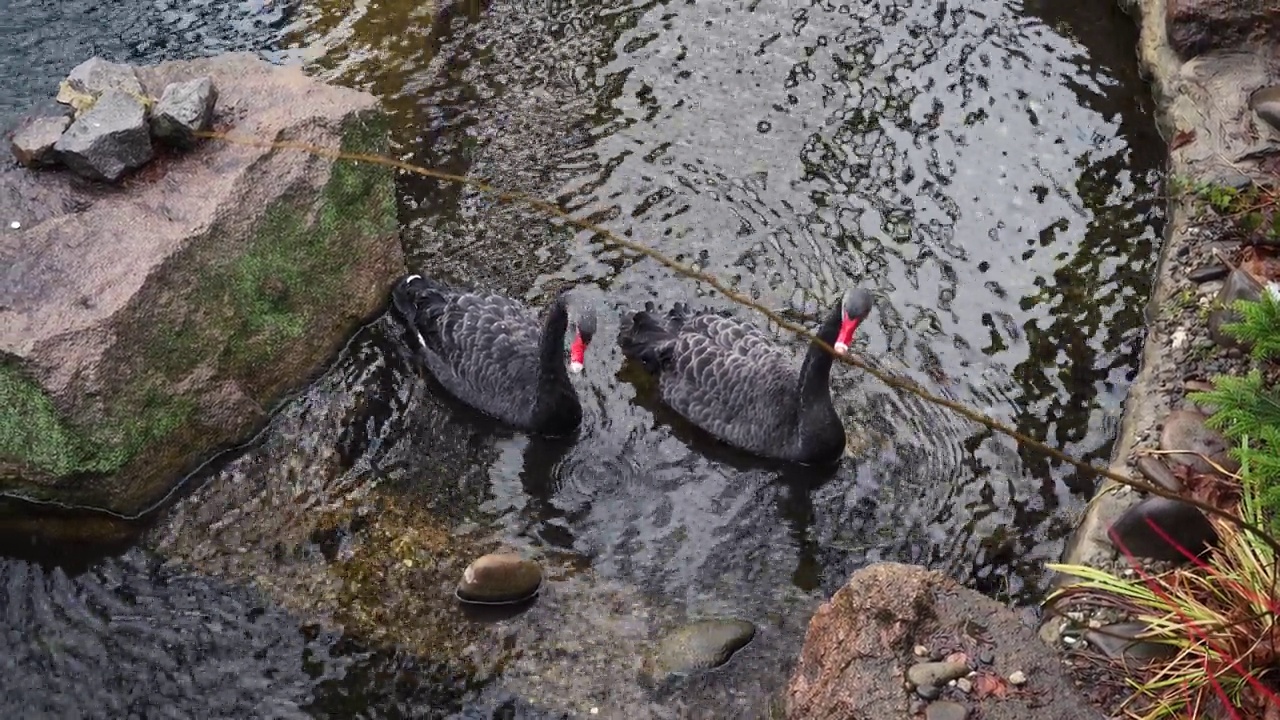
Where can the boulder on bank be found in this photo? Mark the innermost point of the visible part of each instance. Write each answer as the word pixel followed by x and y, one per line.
pixel 862 643
pixel 143 327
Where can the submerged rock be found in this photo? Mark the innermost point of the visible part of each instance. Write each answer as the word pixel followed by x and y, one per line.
pixel 1186 439
pixel 95 76
pixel 1119 642
pixel 184 108
pixel 851 665
pixel 700 645
pixel 1184 524
pixel 136 336
pixel 109 140
pixel 33 141
pixel 500 579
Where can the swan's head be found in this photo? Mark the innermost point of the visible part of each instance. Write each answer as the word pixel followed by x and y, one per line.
pixel 582 323
pixel 855 306
pixel 404 297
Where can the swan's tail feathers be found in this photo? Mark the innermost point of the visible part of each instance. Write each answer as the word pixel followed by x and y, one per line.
pixel 646 340
pixel 418 302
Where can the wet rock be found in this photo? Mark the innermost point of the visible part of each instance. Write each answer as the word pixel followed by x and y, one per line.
pixel 1208 273
pixel 936 673
pixel 1186 439
pixel 1240 285
pixel 1195 27
pixel 700 645
pixel 1119 642
pixel 33 141
pixel 946 710
pixel 1266 103
pixel 1184 524
pixel 131 321
pixel 499 579
pixel 184 109
pixel 851 664
pixel 1157 473
pixel 109 140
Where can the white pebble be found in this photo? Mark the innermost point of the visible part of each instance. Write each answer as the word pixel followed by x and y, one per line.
pixel 921 651
pixel 15 225
pixel 595 711
pixel 964 684
pixel 1017 677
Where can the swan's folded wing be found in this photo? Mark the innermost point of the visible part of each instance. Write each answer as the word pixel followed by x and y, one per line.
pixel 730 380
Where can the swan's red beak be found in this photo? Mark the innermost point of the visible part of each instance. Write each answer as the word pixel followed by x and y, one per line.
pixel 577 353
pixel 847 326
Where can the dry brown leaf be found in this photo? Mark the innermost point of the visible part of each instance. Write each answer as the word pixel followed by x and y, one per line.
pixel 989 685
pixel 1182 137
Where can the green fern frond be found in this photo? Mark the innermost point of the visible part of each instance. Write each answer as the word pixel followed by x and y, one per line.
pixel 1259 325
pixel 1243 406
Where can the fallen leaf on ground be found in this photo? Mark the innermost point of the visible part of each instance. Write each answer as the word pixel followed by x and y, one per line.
pixel 987 685
pixel 1182 138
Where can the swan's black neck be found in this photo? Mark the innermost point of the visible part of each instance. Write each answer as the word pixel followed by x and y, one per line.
pixel 557 403
pixel 821 434
pixel 815 373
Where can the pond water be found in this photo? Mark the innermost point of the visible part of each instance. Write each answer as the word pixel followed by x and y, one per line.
pixel 986 168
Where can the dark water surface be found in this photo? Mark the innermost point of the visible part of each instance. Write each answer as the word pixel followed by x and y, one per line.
pixel 987 168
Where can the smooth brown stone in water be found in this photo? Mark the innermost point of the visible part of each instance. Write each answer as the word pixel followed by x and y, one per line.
pixel 500 578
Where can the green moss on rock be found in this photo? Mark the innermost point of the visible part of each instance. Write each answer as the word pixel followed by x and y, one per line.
pixel 241 318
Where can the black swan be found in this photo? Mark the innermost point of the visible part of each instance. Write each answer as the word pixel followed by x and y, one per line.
pixel 496 355
pixel 730 379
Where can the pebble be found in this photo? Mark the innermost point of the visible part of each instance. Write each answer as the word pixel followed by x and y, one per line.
pixel 946 710
pixel 1017 677
pixel 1266 103
pixel 500 579
pixel 964 685
pixel 921 651
pixel 936 673
pixel 1154 470
pixel 15 225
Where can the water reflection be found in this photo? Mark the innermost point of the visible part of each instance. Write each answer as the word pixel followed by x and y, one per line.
pixel 984 167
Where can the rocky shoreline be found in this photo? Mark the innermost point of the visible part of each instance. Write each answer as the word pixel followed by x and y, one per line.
pixel 1209 65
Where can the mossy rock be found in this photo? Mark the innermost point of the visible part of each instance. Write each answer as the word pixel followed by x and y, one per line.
pixel 143 330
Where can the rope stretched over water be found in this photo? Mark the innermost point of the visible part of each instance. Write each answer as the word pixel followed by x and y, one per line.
pixel 608 236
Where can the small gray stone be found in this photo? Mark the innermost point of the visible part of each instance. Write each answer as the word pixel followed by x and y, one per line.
pixel 1156 472
pixel 1266 103
pixel 929 692
pixel 183 109
pixel 108 140
pixel 96 75
pixel 1184 524
pixel 34 140
pixel 1208 273
pixel 946 710
pixel 1185 437
pixel 936 673
pixel 500 579
pixel 1118 641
